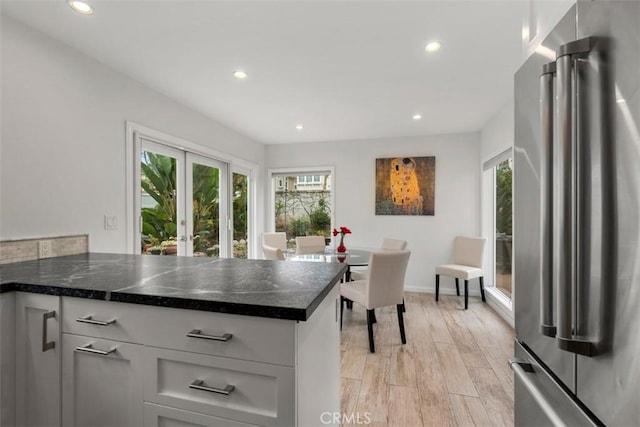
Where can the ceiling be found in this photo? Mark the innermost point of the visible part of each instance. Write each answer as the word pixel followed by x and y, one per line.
pixel 345 70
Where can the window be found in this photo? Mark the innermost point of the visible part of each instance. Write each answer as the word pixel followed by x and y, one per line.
pixel 302 203
pixel 498 221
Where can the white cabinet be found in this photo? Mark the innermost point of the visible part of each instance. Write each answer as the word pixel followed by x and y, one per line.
pixel 82 362
pixel 7 360
pixel 102 382
pixel 277 372
pixel 38 356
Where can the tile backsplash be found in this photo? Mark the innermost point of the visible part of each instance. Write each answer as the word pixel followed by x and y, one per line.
pixel 27 249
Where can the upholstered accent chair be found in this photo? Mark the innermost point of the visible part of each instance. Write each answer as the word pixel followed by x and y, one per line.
pixel 468 256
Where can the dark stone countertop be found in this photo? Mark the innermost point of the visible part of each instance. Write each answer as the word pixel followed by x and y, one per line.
pixel 278 289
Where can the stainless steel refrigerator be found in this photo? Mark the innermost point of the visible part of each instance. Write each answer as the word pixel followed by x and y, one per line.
pixel 577 221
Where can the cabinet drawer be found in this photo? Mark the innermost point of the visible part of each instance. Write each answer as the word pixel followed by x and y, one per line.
pixel 258 393
pixel 157 415
pixel 103 319
pixel 251 338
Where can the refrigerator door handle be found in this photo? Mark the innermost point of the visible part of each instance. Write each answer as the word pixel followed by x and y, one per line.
pixel 523 371
pixel 567 85
pixel 547 326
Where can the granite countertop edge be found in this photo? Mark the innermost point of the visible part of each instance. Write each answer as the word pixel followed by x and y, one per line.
pixel 254 310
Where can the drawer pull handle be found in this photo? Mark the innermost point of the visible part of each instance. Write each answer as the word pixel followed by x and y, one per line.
pixel 197 333
pixel 89 349
pixel 88 319
pixel 199 385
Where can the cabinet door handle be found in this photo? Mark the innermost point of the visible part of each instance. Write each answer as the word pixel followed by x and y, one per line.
pixel 88 348
pixel 197 333
pixel 200 385
pixel 89 319
pixel 47 345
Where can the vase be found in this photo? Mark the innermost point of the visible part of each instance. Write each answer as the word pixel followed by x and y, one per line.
pixel 341 247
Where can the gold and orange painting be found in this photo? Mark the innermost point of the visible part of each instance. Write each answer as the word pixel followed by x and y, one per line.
pixel 405 186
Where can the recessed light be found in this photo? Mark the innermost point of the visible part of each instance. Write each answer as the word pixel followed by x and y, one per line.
pixel 80 7
pixel 433 46
pixel 417 116
pixel 299 127
pixel 240 74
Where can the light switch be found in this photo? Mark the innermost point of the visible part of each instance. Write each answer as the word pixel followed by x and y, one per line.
pixel 110 222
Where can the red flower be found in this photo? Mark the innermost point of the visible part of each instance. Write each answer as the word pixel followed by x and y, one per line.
pixel 343 231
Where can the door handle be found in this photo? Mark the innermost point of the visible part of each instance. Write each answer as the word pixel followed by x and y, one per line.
pixel 568 88
pixel 547 326
pixel 46 345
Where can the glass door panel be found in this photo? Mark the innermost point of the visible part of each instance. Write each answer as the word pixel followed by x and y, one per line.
pixel 240 215
pixel 206 187
pixel 160 204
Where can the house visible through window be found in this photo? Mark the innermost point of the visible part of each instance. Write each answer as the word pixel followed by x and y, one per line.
pixel 303 204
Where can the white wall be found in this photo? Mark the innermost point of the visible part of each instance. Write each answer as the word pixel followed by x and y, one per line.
pixel 430 237
pixel 63 138
pixel 497 134
pixel 541 17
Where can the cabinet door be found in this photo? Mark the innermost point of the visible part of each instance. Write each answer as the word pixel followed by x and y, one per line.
pixel 7 359
pixel 37 359
pixel 102 382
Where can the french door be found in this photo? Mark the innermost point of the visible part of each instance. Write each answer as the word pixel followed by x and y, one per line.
pixel 183 206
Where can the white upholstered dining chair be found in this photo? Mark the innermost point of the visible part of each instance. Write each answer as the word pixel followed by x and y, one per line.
pixel 468 255
pixel 273 245
pixel 387 244
pixel 383 286
pixel 310 244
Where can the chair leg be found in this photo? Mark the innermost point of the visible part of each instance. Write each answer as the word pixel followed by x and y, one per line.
pixel 373 315
pixel 457 287
pixel 437 286
pixel 404 307
pixel 401 324
pixel 341 309
pixel 466 294
pixel 370 328
pixel 482 288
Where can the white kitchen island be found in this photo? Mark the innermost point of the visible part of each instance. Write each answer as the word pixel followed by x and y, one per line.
pixel 138 341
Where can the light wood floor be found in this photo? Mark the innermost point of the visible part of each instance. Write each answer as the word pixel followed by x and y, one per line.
pixel 452 372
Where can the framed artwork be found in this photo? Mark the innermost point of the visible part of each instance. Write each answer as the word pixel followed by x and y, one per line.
pixel 405 186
